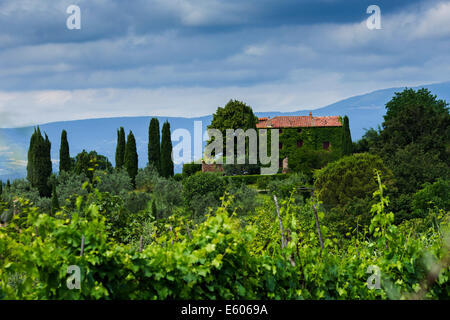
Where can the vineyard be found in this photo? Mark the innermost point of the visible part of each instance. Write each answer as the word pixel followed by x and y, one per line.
pixel 223 257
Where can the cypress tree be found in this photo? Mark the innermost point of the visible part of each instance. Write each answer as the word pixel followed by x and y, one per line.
pixel 120 149
pixel 55 203
pixel 131 158
pixel 347 144
pixel 1 187
pixel 154 148
pixel 8 185
pixel 166 152
pixel 39 166
pixel 64 155
pixel 31 154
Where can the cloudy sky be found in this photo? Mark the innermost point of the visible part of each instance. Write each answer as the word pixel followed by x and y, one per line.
pixel 187 57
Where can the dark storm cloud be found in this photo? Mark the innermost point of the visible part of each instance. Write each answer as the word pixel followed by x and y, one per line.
pixel 303 53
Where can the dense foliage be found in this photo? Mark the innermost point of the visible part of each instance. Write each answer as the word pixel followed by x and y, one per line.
pixel 219 258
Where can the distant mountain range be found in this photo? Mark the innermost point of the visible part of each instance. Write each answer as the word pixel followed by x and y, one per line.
pixel 364 111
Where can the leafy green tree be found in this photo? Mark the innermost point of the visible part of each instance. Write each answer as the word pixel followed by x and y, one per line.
pixel 416 117
pixel 131 158
pixel 65 162
pixel 235 115
pixel 367 142
pixel 120 149
pixel 154 145
pixel 8 184
pixel 347 144
pixel 166 152
pixel 55 203
pixel 414 143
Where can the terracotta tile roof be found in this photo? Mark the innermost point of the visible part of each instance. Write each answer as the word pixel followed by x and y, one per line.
pixel 299 122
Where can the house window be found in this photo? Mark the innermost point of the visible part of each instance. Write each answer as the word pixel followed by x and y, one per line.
pixel 326 145
pixel 299 143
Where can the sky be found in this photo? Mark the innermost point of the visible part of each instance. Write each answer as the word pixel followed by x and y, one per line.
pixel 188 57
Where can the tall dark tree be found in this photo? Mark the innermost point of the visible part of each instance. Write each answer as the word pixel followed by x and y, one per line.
pixel 154 146
pixel 347 145
pixel 31 152
pixel 65 163
pixel 120 149
pixel 8 184
pixel 166 152
pixel 39 167
pixel 55 203
pixel 1 187
pixel 131 158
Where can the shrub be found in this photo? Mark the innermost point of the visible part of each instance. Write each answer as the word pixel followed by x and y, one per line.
pixel 432 195
pixel 306 160
pixel 349 178
pixel 114 182
pixel 69 186
pixel 244 199
pixel 241 169
pixel 284 188
pixel 346 188
pixel 191 168
pixel 205 188
pixel 135 201
pixel 168 194
pixel 145 178
pixel 253 179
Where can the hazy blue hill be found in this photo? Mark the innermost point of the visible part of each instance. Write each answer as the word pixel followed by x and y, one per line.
pixel 364 111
